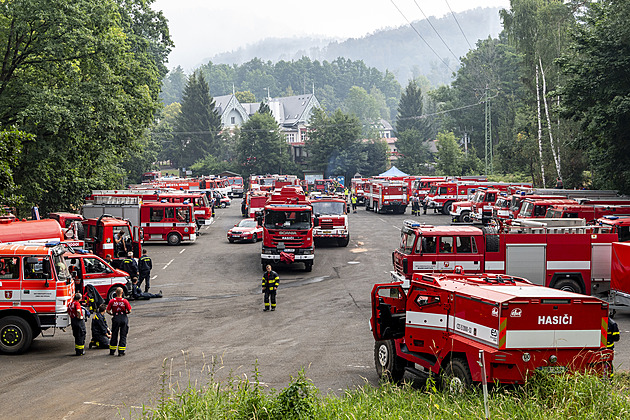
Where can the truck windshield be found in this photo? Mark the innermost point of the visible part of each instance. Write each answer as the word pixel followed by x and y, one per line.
pixel 527 208
pixel 276 219
pixel 61 267
pixel 433 190
pixel 328 207
pixel 407 239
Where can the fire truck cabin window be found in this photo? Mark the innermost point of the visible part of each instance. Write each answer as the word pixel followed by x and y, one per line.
pixel 9 268
pixel 169 213
pixel 446 245
pixel 466 245
pixel 288 219
pixel 157 214
pixel 389 293
pixel 406 242
pixel 183 214
pixel 424 300
pixel 427 245
pixel 37 268
pixel 624 233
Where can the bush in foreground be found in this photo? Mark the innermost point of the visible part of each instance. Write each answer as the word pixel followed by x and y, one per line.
pixel 576 396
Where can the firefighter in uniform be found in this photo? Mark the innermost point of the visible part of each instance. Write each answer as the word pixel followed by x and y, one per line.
pixel 415 205
pixel 77 321
pixel 118 308
pixel 354 203
pixel 144 268
pixel 613 333
pixel 270 283
pixel 100 331
pixel 130 266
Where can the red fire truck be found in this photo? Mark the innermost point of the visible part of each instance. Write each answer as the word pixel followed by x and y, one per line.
pixel 575 258
pixel 331 219
pixel 358 188
pixel 384 196
pixel 586 211
pixel 35 289
pixel 236 183
pixel 169 222
pixel 288 228
pixel 474 209
pixel 442 195
pixel 203 210
pixel 255 203
pixel 532 208
pixel 464 327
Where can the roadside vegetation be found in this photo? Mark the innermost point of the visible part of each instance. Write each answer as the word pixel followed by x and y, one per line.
pixel 578 396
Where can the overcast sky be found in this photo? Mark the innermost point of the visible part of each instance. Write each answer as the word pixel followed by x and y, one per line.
pixel 202 28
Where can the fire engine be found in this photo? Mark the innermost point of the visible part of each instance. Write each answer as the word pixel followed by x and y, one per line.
pixel 463 328
pixel 331 219
pixel 442 195
pixel 574 258
pixel 35 289
pixel 170 222
pixel 236 183
pixel 532 208
pixel 36 232
pixel 478 205
pixel 255 203
pixel 586 211
pixel 358 188
pixel 203 210
pixel 384 196
pixel 620 276
pixel 288 228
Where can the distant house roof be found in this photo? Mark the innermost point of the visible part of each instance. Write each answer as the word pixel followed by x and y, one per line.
pixel 226 104
pixel 384 125
pixel 289 111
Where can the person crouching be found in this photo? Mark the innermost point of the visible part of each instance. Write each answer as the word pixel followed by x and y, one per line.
pixel 100 331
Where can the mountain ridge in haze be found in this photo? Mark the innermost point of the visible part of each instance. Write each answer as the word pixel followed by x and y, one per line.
pixel 399 50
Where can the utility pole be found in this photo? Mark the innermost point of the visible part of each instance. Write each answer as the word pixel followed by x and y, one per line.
pixel 489 166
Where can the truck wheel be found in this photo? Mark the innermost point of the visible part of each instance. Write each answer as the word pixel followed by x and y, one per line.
pixel 455 377
pixel 308 266
pixel 465 217
pixel 568 285
pixel 388 364
pixel 446 208
pixel 16 335
pixel 80 231
pixel 173 239
pixel 343 241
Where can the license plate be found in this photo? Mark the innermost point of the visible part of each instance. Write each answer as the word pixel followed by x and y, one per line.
pixel 556 370
pixel 327 231
pixel 289 250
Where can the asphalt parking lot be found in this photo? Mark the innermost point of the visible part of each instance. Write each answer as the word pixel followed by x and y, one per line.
pixel 210 323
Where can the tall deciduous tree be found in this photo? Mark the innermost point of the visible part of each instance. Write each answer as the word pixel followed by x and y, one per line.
pixel 597 92
pixel 261 148
pixel 333 143
pixel 198 125
pixel 449 155
pixel 84 78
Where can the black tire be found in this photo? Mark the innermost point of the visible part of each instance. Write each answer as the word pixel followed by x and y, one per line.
pixel 343 241
pixel 455 377
pixel 223 205
pixel 389 365
pixel 230 240
pixel 446 208
pixel 255 238
pixel 174 239
pixel 111 293
pixel 308 266
pixel 16 335
pixel 568 285
pixel 492 239
pixel 465 217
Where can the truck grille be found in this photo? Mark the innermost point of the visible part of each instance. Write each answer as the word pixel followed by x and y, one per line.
pixel 326 225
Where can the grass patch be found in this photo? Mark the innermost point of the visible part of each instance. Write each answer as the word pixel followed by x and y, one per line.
pixel 575 396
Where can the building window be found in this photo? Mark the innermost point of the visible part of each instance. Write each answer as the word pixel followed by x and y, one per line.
pixel 303 135
pixel 291 137
pixel 232 120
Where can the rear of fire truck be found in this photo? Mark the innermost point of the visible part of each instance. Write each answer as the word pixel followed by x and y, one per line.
pixel 287 223
pixel 464 327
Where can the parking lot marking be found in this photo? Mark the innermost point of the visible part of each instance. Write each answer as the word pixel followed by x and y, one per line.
pixel 154 277
pixel 182 250
pixel 396 227
pixel 109 405
pixel 167 264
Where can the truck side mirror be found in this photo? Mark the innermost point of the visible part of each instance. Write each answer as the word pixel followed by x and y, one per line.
pixel 316 221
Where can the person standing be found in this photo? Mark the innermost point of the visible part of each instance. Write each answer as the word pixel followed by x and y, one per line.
pixel 130 266
pixel 77 321
pixel 120 247
pixel 353 200
pixel 270 283
pixel 118 308
pixel 100 331
pixel 144 268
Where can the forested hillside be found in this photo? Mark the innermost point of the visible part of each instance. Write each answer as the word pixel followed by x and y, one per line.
pixel 399 50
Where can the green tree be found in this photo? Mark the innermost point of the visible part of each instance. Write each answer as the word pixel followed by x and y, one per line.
pixel 198 125
pixel 360 103
pixel 333 143
pixel 84 79
pixel 449 155
pixel 413 130
pixel 596 93
pixel 173 86
pixel 261 148
pixel 10 152
pixel 245 97
pixel 376 158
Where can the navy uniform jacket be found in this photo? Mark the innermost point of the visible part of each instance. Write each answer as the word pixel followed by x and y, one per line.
pixel 145 264
pixel 130 266
pixel 99 326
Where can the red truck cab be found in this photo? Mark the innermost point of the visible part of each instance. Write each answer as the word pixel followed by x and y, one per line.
pixel 331 219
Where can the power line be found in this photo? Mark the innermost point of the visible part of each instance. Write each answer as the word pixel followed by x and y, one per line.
pixel 456 21
pixel 435 30
pixel 421 37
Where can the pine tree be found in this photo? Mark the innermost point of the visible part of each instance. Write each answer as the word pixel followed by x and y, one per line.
pixel 198 125
pixel 413 130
